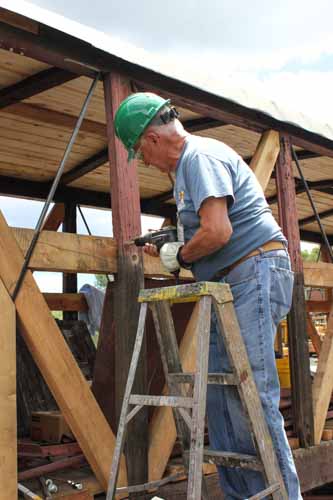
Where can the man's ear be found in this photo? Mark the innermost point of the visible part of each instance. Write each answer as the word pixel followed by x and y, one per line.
pixel 152 136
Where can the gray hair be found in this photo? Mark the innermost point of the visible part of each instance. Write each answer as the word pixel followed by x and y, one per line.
pixel 157 121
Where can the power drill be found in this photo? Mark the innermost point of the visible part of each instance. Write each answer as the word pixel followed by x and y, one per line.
pixel 167 234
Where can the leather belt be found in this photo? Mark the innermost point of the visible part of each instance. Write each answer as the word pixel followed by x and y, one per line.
pixel 267 247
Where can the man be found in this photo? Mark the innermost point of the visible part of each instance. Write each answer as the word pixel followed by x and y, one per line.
pixel 231 237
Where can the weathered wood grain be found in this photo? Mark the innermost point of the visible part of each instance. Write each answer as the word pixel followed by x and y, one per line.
pixel 265 156
pixel 8 437
pixel 56 363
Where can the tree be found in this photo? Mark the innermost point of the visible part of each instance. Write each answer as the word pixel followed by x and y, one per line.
pixel 312 255
pixel 101 281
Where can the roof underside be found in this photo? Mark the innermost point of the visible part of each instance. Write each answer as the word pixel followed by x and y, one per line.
pixel 34 133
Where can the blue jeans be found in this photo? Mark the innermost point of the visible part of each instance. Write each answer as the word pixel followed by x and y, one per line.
pixel 262 291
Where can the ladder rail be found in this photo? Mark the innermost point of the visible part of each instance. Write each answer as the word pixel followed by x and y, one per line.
pixel 124 410
pixel 248 393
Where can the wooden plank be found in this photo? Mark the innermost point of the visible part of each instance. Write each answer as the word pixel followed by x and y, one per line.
pixel 314 465
pixel 55 218
pixel 8 437
pixel 66 301
pixel 86 166
pixel 315 306
pixel 313 334
pixel 34 84
pixel 318 274
pixel 68 252
pixel 80 254
pixel 126 221
pixel 323 381
pixel 265 156
pixel 297 334
pixel 56 362
pixel 56 118
pixel 19 21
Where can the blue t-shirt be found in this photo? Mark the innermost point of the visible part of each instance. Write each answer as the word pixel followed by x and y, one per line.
pixel 210 168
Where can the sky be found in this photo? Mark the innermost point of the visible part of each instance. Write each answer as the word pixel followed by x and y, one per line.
pixel 281 50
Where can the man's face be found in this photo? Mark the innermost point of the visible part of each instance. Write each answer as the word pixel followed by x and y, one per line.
pixel 151 149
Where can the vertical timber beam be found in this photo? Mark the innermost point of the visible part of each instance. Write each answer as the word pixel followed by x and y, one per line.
pixel 130 277
pixel 69 280
pixel 8 438
pixel 297 330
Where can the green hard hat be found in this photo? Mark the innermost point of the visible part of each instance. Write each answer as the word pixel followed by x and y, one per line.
pixel 133 117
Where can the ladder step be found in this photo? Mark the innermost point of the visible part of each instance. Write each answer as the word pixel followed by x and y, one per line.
pixel 151 485
pixel 172 401
pixel 213 378
pixel 231 459
pixel 266 492
pixel 187 293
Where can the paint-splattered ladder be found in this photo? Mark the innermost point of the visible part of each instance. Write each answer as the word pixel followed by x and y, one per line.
pixel 189 410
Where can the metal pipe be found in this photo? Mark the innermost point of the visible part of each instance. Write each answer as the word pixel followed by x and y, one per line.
pixel 27 493
pixel 53 188
pixel 51 467
pixel 321 227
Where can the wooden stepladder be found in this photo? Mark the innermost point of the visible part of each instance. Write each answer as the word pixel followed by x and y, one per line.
pixel 189 407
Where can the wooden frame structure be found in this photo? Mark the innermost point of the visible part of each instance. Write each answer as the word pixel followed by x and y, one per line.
pixel 32 99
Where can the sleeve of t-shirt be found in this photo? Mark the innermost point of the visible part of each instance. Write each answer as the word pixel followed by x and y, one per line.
pixel 208 177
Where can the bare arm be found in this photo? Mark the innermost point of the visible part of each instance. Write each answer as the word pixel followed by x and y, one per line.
pixel 214 232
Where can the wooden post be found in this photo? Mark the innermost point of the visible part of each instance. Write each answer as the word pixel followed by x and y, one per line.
pixel 297 331
pixel 126 224
pixel 103 385
pixel 8 438
pixel 69 280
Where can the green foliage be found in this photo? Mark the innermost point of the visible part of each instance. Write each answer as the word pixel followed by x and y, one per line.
pixel 310 256
pixel 57 314
pixel 100 281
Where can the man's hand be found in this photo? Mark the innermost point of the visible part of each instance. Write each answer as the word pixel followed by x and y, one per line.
pixel 151 250
pixel 168 255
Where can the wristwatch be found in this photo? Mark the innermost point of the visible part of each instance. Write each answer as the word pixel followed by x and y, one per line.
pixel 181 261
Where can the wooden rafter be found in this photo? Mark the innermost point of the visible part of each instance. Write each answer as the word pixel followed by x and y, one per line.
pixel 19 21
pixel 13 186
pixel 86 166
pixel 204 123
pixel 47 48
pixel 323 186
pixel 312 218
pixel 55 118
pixel 35 84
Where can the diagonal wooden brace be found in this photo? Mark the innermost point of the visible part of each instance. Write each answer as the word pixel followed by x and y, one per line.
pixel 57 364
